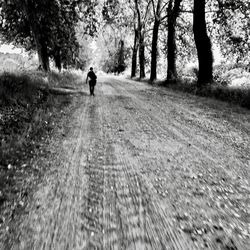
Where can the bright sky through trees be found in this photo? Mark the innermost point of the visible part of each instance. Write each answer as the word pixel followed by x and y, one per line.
pixel 5 48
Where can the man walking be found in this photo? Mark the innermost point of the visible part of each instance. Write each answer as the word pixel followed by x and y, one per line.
pixel 92 81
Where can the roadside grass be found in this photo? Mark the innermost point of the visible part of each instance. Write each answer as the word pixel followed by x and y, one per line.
pixel 66 79
pixel 220 90
pixel 28 116
pixel 236 95
pixel 231 84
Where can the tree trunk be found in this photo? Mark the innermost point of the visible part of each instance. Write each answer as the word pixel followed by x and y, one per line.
pixel 157 21
pixel 173 13
pixel 142 55
pixel 135 47
pixel 153 74
pixel 141 41
pixel 41 45
pixel 203 44
pixel 134 55
pixel 57 58
pixel 171 44
pixel 42 51
pixel 121 59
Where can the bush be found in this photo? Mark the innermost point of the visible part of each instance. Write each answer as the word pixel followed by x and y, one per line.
pixel 28 114
pixel 235 76
pixel 16 89
pixel 231 83
pixel 26 111
pixel 239 96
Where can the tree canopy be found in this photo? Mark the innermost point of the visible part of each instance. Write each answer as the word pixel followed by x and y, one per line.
pixel 147 36
pixel 47 26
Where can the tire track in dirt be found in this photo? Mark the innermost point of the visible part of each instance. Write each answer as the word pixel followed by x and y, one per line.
pixel 185 102
pixel 149 122
pixel 72 191
pixel 147 226
pixel 176 125
pixel 158 234
pixel 92 215
pixel 176 106
pixel 196 145
pixel 52 215
pixel 211 146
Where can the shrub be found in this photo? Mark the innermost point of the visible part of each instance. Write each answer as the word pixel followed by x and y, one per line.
pixel 28 113
pixel 16 89
pixel 239 95
pixel 26 110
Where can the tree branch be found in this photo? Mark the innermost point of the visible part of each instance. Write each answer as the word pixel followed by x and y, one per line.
pixel 164 17
pixel 153 4
pixel 146 12
pixel 163 7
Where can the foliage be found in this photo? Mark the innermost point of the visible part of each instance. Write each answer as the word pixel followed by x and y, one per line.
pixel 89 18
pixel 55 21
pixel 220 91
pixel 28 116
pixel 82 32
pixel 233 75
pixel 186 51
pixel 232 28
pixel 114 37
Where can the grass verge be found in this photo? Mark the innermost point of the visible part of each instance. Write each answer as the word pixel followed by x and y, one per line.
pixel 235 95
pixel 239 96
pixel 29 116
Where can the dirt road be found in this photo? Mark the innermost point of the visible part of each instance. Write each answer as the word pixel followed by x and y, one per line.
pixel 145 168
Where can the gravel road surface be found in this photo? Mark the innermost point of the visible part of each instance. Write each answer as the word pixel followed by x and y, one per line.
pixel 144 167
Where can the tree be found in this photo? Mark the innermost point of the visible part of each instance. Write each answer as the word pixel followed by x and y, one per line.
pixel 173 12
pixel 135 48
pixel 203 44
pixel 19 25
pixel 64 47
pixel 32 13
pixel 115 30
pixel 46 26
pixel 140 37
pixel 141 14
pixel 157 9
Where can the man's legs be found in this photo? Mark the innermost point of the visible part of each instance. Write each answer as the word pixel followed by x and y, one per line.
pixel 91 89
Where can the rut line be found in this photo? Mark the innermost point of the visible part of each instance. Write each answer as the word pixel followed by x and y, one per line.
pixel 175 127
pixel 72 162
pixel 132 167
pixel 155 123
pixel 135 202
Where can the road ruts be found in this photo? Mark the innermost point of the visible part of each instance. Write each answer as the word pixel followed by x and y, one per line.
pixel 135 166
pixel 137 207
pixel 180 150
pixel 53 219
